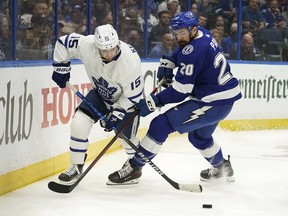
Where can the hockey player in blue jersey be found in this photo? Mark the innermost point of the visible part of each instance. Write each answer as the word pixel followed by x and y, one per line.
pixel 204 90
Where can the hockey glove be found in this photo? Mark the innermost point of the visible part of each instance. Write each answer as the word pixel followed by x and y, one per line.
pixel 61 73
pixel 113 119
pixel 148 105
pixel 165 70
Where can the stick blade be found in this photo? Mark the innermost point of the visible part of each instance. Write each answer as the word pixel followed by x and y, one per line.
pixel 60 188
pixel 196 188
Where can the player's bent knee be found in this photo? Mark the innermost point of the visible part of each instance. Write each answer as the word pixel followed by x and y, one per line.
pixel 160 133
pixel 81 125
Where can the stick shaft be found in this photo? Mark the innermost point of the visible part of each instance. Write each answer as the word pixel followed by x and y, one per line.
pixel 146 159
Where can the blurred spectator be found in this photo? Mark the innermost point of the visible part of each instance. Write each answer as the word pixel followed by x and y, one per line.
pixel 67 4
pixel 51 7
pixel 247 26
pixel 194 9
pixel 108 19
pixel 93 24
pixel 173 6
pixel 5 39
pixel 253 14
pixel 124 4
pixel 247 48
pixel 221 30
pixel 207 7
pixel 285 16
pixel 161 28
pixel 76 20
pixel 6 11
pixel 27 6
pixel 202 20
pixel 132 14
pixel 134 38
pixel 227 9
pixel 124 26
pixel 263 5
pixel 230 42
pixel 220 25
pixel 152 4
pixel 165 48
pixel 152 20
pixel 219 21
pixel 273 16
pixel 100 10
pixel 37 44
pixel 30 7
pixel 217 36
pixel 41 8
pixel 66 28
pixel 283 5
pixel 170 5
pixel 202 4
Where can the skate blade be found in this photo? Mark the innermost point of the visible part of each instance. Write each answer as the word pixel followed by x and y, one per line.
pixel 223 179
pixel 67 182
pixel 134 181
pixel 230 179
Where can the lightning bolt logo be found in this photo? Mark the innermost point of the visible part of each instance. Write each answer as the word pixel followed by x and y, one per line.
pixel 197 113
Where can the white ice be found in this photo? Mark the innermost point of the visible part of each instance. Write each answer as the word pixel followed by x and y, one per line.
pixel 259 159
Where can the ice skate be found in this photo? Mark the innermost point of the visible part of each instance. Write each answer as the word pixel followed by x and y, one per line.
pixel 71 173
pixel 222 171
pixel 125 176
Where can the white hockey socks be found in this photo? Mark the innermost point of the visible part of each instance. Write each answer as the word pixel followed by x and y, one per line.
pixel 80 129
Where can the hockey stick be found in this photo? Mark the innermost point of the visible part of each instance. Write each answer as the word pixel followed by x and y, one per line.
pixel 67 188
pixel 183 187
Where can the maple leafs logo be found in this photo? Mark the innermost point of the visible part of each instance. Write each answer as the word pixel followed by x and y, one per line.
pixel 103 89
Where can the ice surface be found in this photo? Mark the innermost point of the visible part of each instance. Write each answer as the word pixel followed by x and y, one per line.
pixel 259 159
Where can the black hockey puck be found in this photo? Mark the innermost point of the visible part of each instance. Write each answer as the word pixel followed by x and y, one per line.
pixel 207 206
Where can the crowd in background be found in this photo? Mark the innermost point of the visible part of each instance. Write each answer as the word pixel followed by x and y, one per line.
pixel 263 31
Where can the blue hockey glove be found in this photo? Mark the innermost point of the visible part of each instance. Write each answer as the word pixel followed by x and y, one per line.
pixel 165 70
pixel 61 73
pixel 148 105
pixel 113 119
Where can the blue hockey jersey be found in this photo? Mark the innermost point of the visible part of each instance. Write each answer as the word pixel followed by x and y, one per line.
pixel 203 74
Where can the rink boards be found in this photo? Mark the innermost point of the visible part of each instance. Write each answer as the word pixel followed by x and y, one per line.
pixel 35 115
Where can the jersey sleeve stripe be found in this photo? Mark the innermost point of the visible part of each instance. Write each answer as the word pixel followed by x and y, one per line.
pixel 66 41
pixel 60 41
pixel 135 96
pixel 223 95
pixel 182 88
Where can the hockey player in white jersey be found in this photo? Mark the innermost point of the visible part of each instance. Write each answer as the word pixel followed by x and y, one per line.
pixel 114 69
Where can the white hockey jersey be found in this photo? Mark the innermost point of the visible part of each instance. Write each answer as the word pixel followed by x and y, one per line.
pixel 119 82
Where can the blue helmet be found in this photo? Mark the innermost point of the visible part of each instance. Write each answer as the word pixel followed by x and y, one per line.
pixel 184 20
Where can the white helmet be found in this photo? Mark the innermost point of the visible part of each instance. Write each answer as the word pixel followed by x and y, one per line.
pixel 106 37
